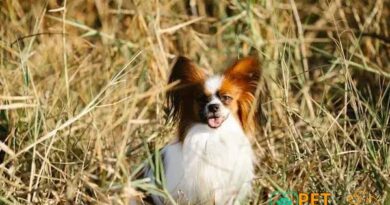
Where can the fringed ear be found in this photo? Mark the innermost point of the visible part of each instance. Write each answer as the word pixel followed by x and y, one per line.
pixel 186 75
pixel 245 73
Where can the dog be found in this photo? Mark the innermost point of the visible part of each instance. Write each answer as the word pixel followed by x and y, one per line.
pixel 211 160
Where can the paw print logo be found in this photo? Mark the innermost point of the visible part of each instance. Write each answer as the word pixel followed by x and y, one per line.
pixel 284 201
pixel 283 198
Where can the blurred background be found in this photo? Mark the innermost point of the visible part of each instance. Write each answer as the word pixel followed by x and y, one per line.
pixel 82 93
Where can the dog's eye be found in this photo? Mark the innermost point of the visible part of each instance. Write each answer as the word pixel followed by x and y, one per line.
pixel 202 99
pixel 226 99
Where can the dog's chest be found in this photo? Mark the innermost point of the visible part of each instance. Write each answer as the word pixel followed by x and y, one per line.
pixel 214 156
pixel 215 163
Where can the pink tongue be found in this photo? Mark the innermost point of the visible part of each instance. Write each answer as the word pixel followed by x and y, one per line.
pixel 214 122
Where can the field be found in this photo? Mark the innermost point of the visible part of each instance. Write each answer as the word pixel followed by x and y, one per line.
pixel 82 93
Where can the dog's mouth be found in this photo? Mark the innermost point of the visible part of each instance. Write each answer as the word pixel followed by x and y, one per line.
pixel 215 121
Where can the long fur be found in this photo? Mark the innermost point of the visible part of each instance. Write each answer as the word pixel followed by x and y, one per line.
pixel 190 80
pixel 245 73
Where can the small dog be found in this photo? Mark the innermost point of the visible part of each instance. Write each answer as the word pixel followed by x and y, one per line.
pixel 211 160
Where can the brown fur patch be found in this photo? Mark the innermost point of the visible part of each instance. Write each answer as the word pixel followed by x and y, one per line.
pixel 243 76
pixel 182 98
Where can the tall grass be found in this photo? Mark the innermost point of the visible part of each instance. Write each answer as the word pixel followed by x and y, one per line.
pixel 82 93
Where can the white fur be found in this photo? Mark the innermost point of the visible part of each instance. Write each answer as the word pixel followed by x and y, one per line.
pixel 210 166
pixel 213 83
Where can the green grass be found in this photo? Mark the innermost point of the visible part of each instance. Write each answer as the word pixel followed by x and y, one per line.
pixel 82 93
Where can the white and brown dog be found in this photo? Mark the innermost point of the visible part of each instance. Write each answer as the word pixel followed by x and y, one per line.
pixel 211 160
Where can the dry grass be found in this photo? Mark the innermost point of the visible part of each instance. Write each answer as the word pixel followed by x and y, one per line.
pixel 79 99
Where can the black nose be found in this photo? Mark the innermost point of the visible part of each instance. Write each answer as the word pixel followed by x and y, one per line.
pixel 214 107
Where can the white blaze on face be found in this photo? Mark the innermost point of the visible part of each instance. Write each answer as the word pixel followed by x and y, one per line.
pixel 212 85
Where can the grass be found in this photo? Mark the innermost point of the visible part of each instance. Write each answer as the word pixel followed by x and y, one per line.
pixel 82 93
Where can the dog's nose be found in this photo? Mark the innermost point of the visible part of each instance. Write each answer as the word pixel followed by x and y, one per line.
pixel 214 107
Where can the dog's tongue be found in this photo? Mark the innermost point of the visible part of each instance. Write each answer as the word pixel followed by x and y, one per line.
pixel 215 122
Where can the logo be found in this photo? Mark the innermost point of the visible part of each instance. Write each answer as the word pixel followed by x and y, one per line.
pixel 283 198
pixel 295 198
pixel 358 197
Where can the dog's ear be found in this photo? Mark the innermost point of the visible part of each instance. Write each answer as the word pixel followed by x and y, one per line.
pixel 246 72
pixel 186 71
pixel 186 75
